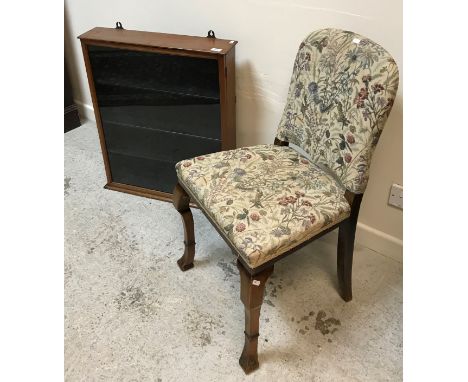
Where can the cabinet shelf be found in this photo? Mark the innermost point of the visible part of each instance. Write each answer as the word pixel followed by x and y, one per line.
pixel 171 118
pixel 132 88
pixel 157 130
pixel 155 144
pixel 122 153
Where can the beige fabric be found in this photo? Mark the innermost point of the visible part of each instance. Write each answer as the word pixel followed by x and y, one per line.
pixel 341 93
pixel 265 199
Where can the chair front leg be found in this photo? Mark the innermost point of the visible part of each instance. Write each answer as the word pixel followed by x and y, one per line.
pixel 181 201
pixel 252 290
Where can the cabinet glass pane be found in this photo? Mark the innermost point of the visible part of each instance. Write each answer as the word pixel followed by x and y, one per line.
pixel 143 172
pixel 159 145
pixel 173 93
pixel 156 109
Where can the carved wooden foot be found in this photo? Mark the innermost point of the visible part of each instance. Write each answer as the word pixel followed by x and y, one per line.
pixel 251 292
pixel 181 201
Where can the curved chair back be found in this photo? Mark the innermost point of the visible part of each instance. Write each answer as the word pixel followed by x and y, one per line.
pixel 342 90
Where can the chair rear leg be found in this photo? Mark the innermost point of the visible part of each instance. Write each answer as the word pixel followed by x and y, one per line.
pixel 181 201
pixel 345 258
pixel 251 292
pixel 346 233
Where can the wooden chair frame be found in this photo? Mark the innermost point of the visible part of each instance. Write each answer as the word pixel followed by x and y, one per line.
pixel 253 281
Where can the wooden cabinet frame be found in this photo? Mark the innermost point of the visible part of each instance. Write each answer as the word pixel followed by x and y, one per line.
pixel 202 47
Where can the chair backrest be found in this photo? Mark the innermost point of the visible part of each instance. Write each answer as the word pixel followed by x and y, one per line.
pixel 342 90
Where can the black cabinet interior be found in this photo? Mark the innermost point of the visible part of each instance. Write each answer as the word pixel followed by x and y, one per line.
pixel 156 109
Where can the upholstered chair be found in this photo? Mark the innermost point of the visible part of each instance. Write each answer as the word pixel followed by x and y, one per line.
pixel 267 201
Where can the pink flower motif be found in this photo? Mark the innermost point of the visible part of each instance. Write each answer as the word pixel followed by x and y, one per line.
pixel 201 158
pixel 348 157
pixel 299 194
pixel 312 218
pixel 187 164
pixel 304 161
pixel 285 200
pixel 291 199
pixel 377 88
pixel 362 95
pixel 350 138
pixel 255 217
pixel 240 227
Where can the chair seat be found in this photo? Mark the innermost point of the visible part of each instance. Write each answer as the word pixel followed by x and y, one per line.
pixel 265 199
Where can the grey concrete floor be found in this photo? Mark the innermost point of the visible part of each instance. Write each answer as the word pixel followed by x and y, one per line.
pixel 132 315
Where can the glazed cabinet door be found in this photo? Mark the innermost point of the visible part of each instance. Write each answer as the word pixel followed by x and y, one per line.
pixel 156 109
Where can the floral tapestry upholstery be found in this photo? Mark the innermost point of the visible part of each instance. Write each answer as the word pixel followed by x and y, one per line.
pixel 266 199
pixel 342 90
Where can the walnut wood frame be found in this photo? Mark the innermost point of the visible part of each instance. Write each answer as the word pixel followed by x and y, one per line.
pixel 253 280
pixel 179 45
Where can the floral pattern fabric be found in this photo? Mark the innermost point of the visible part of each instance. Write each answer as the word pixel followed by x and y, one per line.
pixel 265 199
pixel 342 90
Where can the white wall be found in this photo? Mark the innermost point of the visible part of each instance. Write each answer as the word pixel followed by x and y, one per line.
pixel 269 33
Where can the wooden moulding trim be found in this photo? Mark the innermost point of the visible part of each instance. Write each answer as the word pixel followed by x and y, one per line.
pixel 223 101
pixel 268 264
pixel 160 40
pixel 141 191
pixel 146 48
pixel 229 136
pixel 227 85
pixel 97 114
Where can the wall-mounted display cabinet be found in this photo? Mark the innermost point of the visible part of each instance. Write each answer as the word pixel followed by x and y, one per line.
pixel 158 98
